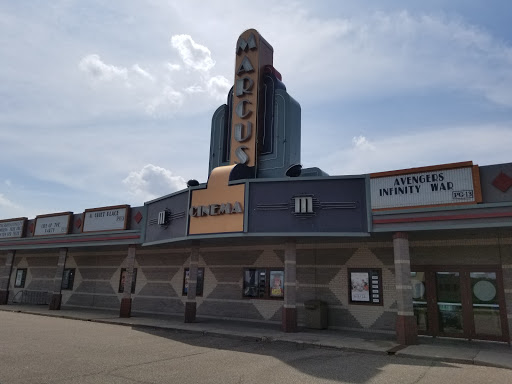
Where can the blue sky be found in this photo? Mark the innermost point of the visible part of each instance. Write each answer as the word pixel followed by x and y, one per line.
pixel 110 102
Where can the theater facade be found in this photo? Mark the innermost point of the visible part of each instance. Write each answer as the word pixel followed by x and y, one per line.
pixel 424 251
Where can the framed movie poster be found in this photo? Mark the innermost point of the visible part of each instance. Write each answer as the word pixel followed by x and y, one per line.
pixel 365 286
pixel 199 284
pixel 276 283
pixel 122 278
pixel 21 275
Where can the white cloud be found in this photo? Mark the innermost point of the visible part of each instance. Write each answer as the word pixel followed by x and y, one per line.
pixel 360 142
pixel 153 181
pixel 176 91
pixel 167 101
pixel 6 203
pixel 489 145
pixel 98 70
pixel 138 70
pixel 194 55
pixel 378 54
pixel 194 89
pixel 173 67
pixel 218 87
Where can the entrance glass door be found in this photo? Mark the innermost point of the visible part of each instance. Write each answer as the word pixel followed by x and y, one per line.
pixel 486 307
pixel 460 301
pixel 419 300
pixel 449 303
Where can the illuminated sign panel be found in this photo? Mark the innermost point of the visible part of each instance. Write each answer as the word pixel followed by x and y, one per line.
pixel 433 186
pixel 253 53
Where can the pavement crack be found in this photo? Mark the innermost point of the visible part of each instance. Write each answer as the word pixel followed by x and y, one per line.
pixel 427 369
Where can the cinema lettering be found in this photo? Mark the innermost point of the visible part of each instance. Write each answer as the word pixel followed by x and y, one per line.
pixel 433 187
pixel 215 209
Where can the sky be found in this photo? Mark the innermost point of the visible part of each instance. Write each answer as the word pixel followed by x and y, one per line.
pixel 110 102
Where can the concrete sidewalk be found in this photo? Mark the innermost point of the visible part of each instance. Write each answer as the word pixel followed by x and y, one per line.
pixel 448 350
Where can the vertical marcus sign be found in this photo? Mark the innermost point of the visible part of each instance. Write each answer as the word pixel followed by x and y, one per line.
pixel 253 53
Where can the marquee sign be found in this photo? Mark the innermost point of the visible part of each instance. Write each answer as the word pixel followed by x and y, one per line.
pixel 106 218
pixel 253 53
pixel 53 224
pixel 12 228
pixel 438 185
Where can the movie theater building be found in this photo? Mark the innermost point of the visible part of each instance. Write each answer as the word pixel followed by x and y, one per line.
pixel 67 259
pixel 415 251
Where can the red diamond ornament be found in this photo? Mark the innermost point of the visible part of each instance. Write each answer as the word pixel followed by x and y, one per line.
pixel 503 182
pixel 31 227
pixel 78 223
pixel 138 217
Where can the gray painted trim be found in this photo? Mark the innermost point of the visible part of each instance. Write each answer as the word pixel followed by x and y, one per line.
pixel 200 186
pixel 311 178
pixel 438 226
pixel 68 240
pixel 266 234
pixel 443 208
pixel 144 224
pixel 369 215
pixel 246 211
pixel 187 220
pixel 167 196
pixel 71 245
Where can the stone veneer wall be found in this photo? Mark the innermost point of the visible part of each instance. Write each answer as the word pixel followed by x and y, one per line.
pixel 160 281
pixel 41 268
pixel 97 274
pixel 223 293
pixel 322 273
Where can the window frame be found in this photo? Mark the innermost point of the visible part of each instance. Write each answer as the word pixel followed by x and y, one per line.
pixel 70 280
pixel 267 293
pixel 23 278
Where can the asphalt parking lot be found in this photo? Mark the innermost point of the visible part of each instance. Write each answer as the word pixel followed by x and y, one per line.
pixel 39 349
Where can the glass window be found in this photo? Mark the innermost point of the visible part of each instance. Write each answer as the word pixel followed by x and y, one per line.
pixel 200 281
pixel 263 283
pixel 21 275
pixel 255 282
pixel 68 278
pixel 122 278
